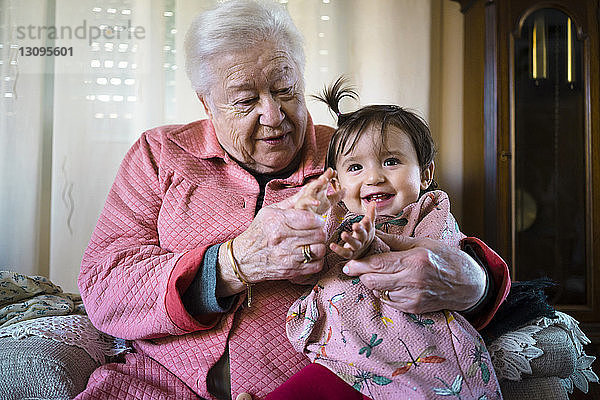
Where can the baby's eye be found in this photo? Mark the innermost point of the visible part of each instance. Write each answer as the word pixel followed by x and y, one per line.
pixel 391 161
pixel 354 167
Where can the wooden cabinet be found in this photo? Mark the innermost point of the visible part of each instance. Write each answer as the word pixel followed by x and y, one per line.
pixel 532 143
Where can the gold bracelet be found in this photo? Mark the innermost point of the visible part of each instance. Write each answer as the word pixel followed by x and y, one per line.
pixel 236 270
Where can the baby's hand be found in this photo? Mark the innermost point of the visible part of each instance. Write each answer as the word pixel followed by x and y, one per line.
pixel 363 233
pixel 313 196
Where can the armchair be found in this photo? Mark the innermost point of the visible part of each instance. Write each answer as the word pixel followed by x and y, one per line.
pixel 537 352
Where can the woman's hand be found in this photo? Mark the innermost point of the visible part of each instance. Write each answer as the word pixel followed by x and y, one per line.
pixel 421 275
pixel 272 246
pixel 271 249
pixel 363 233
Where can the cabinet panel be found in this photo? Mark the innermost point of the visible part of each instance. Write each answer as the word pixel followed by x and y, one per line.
pixel 537 200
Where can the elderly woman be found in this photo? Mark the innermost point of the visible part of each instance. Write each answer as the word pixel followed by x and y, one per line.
pixel 198 252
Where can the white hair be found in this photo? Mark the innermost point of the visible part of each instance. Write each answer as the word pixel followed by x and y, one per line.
pixel 233 26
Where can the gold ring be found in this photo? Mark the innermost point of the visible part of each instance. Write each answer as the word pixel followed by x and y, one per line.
pixel 385 295
pixel 308 256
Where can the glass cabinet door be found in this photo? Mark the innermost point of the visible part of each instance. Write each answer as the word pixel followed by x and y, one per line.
pixel 550 196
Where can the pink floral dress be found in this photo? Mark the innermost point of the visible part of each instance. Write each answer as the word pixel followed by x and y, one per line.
pixel 380 351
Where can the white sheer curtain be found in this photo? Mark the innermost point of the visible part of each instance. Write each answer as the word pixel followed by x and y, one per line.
pixel 67 121
pixel 23 160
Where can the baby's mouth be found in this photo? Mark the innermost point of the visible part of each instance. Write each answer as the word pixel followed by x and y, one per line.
pixel 377 197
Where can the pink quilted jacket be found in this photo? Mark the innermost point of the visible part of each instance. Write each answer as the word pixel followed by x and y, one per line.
pixel 177 193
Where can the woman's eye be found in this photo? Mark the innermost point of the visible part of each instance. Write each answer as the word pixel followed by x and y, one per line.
pixel 391 161
pixel 245 102
pixel 286 90
pixel 354 167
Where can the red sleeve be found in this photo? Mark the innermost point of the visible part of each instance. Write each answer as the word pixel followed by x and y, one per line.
pixel 498 272
pixel 184 272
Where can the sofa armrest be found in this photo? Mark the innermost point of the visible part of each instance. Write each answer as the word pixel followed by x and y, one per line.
pixel 38 368
pixel 52 357
pixel 543 388
pixel 544 362
pixel 559 356
pixel 534 358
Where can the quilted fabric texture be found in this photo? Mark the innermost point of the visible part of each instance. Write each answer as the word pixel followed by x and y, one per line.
pixel 262 360
pixel 138 378
pixel 177 193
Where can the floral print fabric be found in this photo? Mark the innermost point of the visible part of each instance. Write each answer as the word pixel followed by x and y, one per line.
pixel 25 297
pixel 380 351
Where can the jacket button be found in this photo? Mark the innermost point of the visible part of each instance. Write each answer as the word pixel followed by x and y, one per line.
pixel 244 396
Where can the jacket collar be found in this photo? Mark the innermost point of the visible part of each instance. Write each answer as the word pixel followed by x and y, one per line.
pixel 199 139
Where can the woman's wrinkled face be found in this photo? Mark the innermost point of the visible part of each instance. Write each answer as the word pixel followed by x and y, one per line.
pixel 257 107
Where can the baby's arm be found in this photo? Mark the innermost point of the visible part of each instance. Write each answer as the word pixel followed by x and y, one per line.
pixel 363 232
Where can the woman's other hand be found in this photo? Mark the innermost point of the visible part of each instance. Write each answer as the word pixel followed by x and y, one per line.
pixel 421 275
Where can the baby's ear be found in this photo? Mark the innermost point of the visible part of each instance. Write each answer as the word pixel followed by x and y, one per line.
pixel 427 176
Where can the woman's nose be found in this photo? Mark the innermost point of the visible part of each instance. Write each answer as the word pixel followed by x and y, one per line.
pixel 270 112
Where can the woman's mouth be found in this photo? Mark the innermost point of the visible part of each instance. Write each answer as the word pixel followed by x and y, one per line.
pixel 275 140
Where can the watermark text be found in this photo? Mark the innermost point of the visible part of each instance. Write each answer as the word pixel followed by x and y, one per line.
pixel 83 31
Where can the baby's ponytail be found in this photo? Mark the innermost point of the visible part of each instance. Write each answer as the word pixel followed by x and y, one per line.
pixel 333 95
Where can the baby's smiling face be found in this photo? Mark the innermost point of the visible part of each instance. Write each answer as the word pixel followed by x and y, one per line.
pixel 385 173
